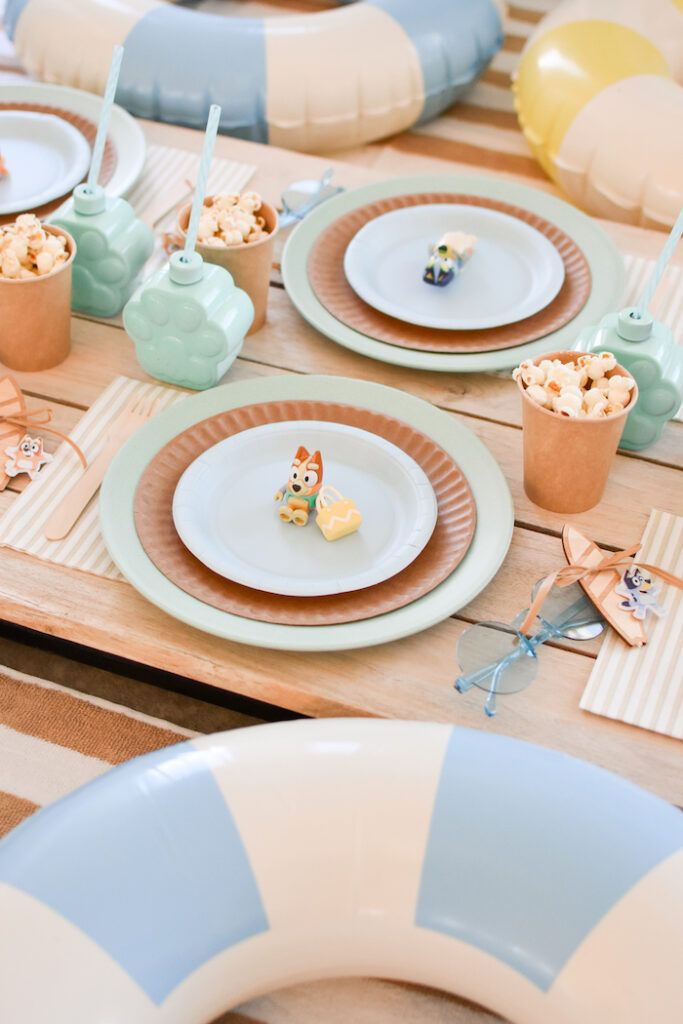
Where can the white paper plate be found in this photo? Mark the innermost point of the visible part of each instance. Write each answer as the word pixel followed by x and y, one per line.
pixel 44 155
pixel 124 131
pixel 515 271
pixel 225 512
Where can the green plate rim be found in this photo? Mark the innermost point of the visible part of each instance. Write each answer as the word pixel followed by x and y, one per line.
pixel 605 261
pixel 495 514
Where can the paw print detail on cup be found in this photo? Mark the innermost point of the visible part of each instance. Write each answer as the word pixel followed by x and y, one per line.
pixel 188 339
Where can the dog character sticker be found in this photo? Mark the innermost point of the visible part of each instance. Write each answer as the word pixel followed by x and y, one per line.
pixel 26 457
pixel 298 496
pixel 639 592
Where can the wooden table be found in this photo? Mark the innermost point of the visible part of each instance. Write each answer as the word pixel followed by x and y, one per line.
pixel 411 678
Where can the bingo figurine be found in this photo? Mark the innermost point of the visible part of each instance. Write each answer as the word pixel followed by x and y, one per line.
pixel 300 493
pixel 28 456
pixel 448 257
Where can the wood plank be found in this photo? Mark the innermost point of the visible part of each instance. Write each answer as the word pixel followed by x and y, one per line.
pixel 288 343
pixel 634 487
pixel 411 678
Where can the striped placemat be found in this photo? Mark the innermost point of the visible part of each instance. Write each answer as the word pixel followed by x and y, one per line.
pixel 644 686
pixel 22 525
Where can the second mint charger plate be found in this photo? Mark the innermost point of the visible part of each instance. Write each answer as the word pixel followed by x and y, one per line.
pixel 486 553
pixel 606 265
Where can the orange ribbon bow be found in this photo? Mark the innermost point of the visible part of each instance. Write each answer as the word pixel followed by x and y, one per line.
pixel 30 418
pixel 574 572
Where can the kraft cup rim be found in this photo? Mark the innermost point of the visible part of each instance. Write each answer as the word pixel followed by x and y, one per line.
pixel 243 246
pixel 54 230
pixel 575 421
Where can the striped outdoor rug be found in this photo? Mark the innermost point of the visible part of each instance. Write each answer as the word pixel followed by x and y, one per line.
pixel 53 739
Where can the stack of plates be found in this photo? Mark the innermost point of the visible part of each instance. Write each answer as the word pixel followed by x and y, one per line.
pixel 46 135
pixel 189 516
pixel 541 270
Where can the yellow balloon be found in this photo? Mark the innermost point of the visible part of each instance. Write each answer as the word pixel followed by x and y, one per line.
pixel 569 65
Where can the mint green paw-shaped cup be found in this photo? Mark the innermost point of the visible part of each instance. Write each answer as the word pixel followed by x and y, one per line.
pixel 647 349
pixel 188 322
pixel 113 246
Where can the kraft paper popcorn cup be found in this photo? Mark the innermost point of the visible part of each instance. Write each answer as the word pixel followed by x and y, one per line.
pixel 250 263
pixel 35 330
pixel 567 458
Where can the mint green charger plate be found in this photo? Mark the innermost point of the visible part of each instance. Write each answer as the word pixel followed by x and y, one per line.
pixel 495 514
pixel 606 265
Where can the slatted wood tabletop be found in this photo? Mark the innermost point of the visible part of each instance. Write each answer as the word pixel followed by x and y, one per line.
pixel 411 678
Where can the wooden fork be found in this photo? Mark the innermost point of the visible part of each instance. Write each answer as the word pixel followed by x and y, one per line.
pixel 62 519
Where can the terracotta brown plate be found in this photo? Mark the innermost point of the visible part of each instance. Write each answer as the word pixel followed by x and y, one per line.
pixel 326 274
pixel 446 548
pixel 86 128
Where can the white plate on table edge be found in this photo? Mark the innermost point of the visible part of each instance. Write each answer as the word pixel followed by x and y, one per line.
pixel 27 138
pixel 604 259
pixel 514 268
pixel 393 493
pixel 495 515
pixel 124 131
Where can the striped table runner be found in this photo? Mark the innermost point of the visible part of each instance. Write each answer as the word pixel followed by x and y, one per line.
pixel 22 525
pixel 667 304
pixel 644 686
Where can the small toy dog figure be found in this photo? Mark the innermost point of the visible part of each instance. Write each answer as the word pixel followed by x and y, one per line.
pixel 448 257
pixel 299 494
pixel 26 457
pixel 640 593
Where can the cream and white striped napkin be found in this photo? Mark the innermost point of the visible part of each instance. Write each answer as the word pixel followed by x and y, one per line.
pixel 644 686
pixel 22 525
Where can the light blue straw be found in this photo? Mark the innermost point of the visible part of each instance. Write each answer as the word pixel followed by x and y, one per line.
pixel 105 115
pixel 660 266
pixel 200 188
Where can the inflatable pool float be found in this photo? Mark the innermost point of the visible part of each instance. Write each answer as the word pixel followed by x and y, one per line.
pixel 599 94
pixel 190 880
pixel 311 82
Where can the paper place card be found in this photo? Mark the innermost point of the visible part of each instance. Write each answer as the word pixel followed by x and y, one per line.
pixel 644 686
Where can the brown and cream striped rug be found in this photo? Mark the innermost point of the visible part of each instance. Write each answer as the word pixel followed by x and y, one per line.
pixel 54 739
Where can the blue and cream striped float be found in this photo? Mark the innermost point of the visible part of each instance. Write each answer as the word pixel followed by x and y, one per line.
pixel 310 82
pixel 192 879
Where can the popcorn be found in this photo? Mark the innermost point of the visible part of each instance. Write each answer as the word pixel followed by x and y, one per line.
pixel 584 389
pixel 599 365
pixel 231 219
pixel 539 395
pixel 28 251
pixel 530 373
pixel 567 404
pixel 594 397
